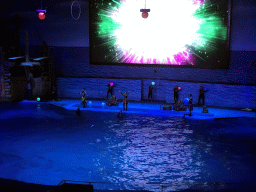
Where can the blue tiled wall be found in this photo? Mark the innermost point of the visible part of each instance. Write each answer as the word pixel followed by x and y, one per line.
pixel 234 87
pixel 239 96
pixel 74 62
pixel 97 88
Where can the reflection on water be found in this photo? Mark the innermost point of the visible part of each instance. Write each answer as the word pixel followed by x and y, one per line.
pixel 147 152
pixel 154 150
pixel 136 152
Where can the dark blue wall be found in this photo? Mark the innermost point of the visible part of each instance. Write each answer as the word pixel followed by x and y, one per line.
pixel 234 87
pixel 74 62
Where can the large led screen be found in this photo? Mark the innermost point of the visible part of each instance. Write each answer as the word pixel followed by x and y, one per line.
pixel 176 33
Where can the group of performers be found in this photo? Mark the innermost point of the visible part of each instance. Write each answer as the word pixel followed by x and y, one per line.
pixel 190 99
pixel 201 94
pixel 114 102
pixel 125 95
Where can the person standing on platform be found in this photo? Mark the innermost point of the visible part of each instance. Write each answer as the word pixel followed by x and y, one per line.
pixel 44 50
pixel 176 93
pixel 125 101
pixel 190 104
pixel 29 84
pixel 83 98
pixel 150 91
pixel 201 94
pixel 54 96
pixel 110 89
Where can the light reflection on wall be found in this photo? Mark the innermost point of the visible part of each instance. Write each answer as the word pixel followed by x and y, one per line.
pixel 156 152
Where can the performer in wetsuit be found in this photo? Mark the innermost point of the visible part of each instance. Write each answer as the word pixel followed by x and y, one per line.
pixel 150 91
pixel 83 98
pixel 176 94
pixel 110 89
pixel 201 94
pixel 125 101
pixel 190 104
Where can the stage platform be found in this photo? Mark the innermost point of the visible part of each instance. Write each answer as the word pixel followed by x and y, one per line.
pixel 154 108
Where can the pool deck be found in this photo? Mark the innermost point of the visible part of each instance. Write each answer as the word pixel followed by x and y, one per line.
pixel 153 108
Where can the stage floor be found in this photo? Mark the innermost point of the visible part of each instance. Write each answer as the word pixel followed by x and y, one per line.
pixel 154 108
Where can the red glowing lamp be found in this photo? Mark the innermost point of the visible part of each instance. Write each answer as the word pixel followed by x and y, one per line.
pixel 144 13
pixel 41 14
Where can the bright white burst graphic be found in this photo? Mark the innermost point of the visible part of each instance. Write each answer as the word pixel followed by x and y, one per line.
pixel 165 33
pixel 176 32
pixel 168 29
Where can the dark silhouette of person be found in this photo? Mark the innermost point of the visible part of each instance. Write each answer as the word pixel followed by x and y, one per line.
pixel 120 114
pixel 78 112
pixel 201 94
pixel 83 98
pixel 176 94
pixel 110 89
pixel 54 96
pixel 190 104
pixel 150 91
pixel 29 85
pixel 44 50
pixel 125 101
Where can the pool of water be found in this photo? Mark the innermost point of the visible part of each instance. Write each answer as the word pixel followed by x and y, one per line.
pixel 44 144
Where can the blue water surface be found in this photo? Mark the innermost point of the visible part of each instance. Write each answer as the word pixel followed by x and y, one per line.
pixel 44 144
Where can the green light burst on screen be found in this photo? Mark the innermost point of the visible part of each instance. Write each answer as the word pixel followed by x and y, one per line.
pixel 174 33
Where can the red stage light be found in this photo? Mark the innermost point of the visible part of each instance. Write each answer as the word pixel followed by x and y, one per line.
pixel 41 15
pixel 145 15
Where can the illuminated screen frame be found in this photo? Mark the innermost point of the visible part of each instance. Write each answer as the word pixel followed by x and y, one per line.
pixel 104 52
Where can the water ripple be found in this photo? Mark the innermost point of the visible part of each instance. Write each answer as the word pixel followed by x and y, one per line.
pixel 154 150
